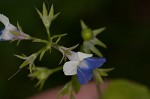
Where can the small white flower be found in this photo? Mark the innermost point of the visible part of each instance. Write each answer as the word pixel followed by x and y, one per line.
pixel 83 65
pixel 10 31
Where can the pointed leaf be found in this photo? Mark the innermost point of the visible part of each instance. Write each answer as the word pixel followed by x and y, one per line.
pixel 100 43
pixel 86 50
pixel 18 42
pixel 42 53
pixel 73 47
pixel 98 77
pixel 51 13
pixel 40 14
pixel 25 63
pixel 44 10
pixel 96 51
pixel 98 31
pixel 83 25
pixel 21 57
pixel 55 16
pixel 19 27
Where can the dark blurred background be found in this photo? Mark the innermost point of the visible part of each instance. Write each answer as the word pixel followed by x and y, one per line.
pixel 127 37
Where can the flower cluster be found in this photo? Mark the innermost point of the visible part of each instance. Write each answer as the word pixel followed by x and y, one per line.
pixel 82 66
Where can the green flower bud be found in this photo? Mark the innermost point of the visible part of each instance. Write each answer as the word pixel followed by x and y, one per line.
pixel 87 34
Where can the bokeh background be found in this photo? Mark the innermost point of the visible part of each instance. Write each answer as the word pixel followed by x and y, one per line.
pixel 127 37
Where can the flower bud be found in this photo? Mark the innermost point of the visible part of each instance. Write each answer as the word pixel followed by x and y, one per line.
pixel 87 34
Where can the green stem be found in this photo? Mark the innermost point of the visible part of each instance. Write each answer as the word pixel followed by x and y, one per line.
pixel 57 69
pixel 48 34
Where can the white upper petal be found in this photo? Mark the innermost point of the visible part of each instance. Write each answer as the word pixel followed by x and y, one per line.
pixel 83 55
pixel 4 20
pixel 73 56
pixel 70 67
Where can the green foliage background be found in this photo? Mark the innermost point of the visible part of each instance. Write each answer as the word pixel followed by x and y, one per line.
pixel 127 37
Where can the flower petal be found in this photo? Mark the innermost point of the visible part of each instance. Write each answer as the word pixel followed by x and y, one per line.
pixel 4 20
pixel 73 56
pixel 6 35
pixel 84 75
pixel 70 67
pixel 83 55
pixel 94 62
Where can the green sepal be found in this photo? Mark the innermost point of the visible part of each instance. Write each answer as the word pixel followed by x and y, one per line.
pixel 25 63
pixel 99 73
pixel 51 13
pixel 20 56
pixel 96 51
pixel 98 31
pixel 55 16
pixel 45 13
pixel 40 14
pixel 43 52
pixel 19 27
pixel 83 25
pixel 97 77
pixel 100 43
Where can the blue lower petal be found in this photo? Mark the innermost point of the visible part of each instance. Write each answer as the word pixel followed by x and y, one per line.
pixel 94 62
pixel 84 75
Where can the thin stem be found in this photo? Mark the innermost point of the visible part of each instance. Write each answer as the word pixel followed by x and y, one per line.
pixel 57 69
pixel 48 34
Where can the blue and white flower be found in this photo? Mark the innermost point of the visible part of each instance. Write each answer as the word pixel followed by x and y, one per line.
pixel 10 32
pixel 82 65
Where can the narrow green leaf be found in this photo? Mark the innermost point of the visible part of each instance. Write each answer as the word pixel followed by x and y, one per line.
pixel 100 43
pixel 75 84
pixel 21 57
pixel 86 50
pixel 83 25
pixel 19 27
pixel 51 13
pixel 96 51
pixel 44 10
pixel 40 14
pixel 98 31
pixel 25 63
pixel 98 77
pixel 42 53
pixel 65 89
pixel 73 47
pixel 55 16
pixel 18 42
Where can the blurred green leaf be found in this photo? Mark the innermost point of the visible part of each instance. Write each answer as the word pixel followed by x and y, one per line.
pixel 51 13
pixel 45 13
pixel 83 25
pixel 98 31
pixel 96 51
pixel 65 89
pixel 124 89
pixel 75 84
pixel 98 42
